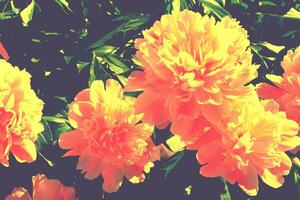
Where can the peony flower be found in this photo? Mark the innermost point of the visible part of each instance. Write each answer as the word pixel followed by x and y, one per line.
pixel 3 52
pixel 249 141
pixel 187 63
pixel 43 189
pixel 108 137
pixel 20 115
pixel 285 90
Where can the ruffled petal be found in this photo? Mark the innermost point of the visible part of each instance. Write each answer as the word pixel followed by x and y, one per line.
pixel 72 139
pixel 25 152
pixel 90 165
pixel 275 181
pixel 266 91
pixel 112 179
pixel 136 81
pixel 152 105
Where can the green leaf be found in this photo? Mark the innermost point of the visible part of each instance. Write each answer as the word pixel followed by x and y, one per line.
pixel 290 33
pixel 115 63
pixel 135 60
pixel 27 14
pixel 14 8
pixel 45 137
pixel 225 195
pixel 94 65
pixel 7 15
pixel 55 119
pixel 136 23
pixel 81 65
pixel 50 33
pixel 104 39
pixel 97 71
pixel 35 60
pixel 266 51
pixel 168 6
pixel 235 2
pixel 292 13
pixel 172 163
pixel 122 79
pixel 63 99
pixel 272 47
pixel 215 9
pixel 68 59
pixel 64 5
pixel 130 22
pixel 59 123
pixel 266 3
pixel 296 179
pixel 47 73
pixel 105 49
pixel 188 190
pixel 61 128
pixel 256 50
pixel 35 40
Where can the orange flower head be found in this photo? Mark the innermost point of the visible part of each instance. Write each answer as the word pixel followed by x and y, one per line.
pixel 43 189
pixel 285 90
pixel 108 136
pixel 20 115
pixel 186 62
pixel 248 143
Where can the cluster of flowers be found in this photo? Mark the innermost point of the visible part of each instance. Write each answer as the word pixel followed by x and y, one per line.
pixel 194 76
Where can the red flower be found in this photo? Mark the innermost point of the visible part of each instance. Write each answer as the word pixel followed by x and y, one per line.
pixel 43 189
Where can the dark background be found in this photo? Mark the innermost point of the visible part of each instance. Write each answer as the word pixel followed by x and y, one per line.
pixel 67 82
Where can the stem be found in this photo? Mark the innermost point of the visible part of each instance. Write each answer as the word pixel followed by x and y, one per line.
pixel 50 163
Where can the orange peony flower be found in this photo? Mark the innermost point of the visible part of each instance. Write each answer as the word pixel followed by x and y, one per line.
pixel 250 140
pixel 43 189
pixel 187 63
pixel 109 138
pixel 20 115
pixel 286 89
pixel 3 52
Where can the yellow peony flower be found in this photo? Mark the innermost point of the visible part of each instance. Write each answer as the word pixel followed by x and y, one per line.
pixel 20 115
pixel 249 141
pixel 286 90
pixel 189 60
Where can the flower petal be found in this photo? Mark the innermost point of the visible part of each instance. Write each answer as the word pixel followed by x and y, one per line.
pixel 18 194
pixel 25 152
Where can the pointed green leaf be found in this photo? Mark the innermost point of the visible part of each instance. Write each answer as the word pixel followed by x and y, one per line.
pixel 64 5
pixel 7 15
pixel 104 39
pixel 14 8
pixel 115 63
pixel 27 13
pixel 172 163
pixel 44 138
pixel 105 49
pixel 68 59
pixel 272 47
pixel 81 65
pixel 215 9
pixel 225 195
pixel 292 13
